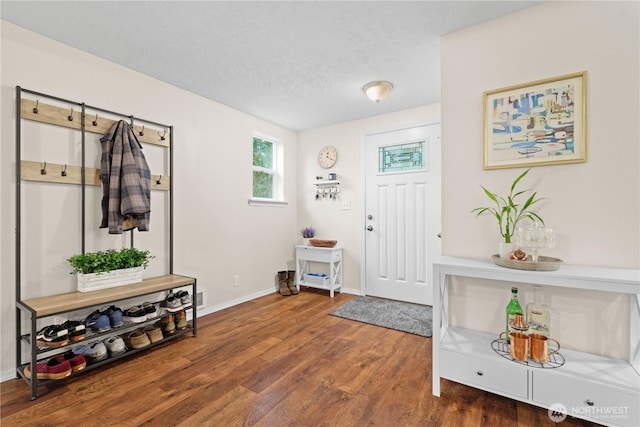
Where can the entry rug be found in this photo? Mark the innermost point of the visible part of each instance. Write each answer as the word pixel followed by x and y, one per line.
pixel 401 316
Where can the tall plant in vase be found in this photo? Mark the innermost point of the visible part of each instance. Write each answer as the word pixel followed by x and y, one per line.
pixel 510 210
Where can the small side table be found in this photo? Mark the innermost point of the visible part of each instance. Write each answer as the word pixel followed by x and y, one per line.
pixel 332 256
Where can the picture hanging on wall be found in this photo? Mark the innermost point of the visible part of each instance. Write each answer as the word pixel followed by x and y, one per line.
pixel 537 123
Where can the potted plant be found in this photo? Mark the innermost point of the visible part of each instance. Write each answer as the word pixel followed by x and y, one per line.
pixel 509 211
pixel 106 269
pixel 307 233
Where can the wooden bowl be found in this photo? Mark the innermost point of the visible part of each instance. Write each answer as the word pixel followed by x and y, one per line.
pixel 323 243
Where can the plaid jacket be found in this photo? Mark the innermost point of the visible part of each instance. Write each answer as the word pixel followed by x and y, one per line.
pixel 126 181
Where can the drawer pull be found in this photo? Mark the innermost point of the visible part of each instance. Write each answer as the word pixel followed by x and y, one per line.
pixel 589 402
pixel 479 373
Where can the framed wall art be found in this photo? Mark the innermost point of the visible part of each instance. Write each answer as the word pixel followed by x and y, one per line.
pixel 537 123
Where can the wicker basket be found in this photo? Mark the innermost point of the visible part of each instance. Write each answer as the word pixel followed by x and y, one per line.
pixel 323 243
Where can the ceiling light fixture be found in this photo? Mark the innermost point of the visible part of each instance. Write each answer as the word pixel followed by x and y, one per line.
pixel 377 91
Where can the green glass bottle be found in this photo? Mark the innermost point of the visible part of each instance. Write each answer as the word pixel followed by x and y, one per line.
pixel 513 308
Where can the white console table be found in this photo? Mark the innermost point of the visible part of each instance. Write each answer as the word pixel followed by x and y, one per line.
pixel 332 256
pixel 596 388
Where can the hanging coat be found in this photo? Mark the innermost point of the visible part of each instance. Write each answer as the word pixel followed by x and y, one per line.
pixel 126 181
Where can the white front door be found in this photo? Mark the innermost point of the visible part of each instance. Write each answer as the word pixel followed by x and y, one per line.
pixel 402 212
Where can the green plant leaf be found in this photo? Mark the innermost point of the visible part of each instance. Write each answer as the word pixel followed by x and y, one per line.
pixel 509 212
pixel 111 259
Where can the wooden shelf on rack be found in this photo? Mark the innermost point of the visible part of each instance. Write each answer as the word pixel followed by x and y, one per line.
pixel 60 303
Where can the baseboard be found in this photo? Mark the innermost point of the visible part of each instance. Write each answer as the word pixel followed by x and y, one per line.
pixel 233 302
pixel 11 373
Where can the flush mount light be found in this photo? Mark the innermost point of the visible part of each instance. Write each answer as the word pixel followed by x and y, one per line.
pixel 377 91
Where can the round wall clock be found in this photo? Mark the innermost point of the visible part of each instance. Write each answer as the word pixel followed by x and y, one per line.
pixel 327 156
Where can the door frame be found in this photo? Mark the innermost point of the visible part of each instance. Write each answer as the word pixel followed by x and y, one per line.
pixel 363 189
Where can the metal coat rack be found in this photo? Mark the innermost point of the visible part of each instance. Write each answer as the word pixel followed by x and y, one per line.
pixel 75 117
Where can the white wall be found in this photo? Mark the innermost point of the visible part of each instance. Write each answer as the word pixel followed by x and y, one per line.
pixel 594 206
pixel 327 216
pixel 217 235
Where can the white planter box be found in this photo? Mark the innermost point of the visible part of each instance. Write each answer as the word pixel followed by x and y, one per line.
pixel 96 281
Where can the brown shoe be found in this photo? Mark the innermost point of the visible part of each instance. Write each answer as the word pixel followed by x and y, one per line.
pixel 282 282
pixel 136 339
pixel 154 333
pixel 291 282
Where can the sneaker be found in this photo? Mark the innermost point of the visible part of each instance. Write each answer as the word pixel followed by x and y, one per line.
pixel 181 320
pixel 115 316
pixel 53 369
pixel 94 352
pixel 98 321
pixel 168 326
pixel 185 298
pixel 137 339
pixel 77 361
pixel 150 309
pixel 115 346
pixel 52 336
pixel 135 314
pixel 154 333
pixel 172 303
pixel 76 329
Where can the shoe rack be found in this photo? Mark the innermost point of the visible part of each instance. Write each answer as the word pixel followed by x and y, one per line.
pixel 59 112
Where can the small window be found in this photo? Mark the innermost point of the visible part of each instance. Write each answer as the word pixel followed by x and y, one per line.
pixel 402 157
pixel 267 170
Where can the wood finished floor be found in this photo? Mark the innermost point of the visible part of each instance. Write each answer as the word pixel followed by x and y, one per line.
pixel 273 361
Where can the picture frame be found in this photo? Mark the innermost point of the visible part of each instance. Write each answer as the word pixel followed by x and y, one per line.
pixel 537 123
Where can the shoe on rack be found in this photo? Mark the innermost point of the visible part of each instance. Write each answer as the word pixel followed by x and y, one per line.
pixel 76 329
pixel 181 320
pixel 135 314
pixel 115 345
pixel 52 336
pixel 168 326
pixel 98 321
pixel 137 339
pixel 115 316
pixel 150 309
pixel 77 361
pixel 53 369
pixel 172 303
pixel 185 298
pixel 154 333
pixel 94 352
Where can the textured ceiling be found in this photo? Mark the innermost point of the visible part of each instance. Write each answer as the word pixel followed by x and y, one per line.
pixel 298 64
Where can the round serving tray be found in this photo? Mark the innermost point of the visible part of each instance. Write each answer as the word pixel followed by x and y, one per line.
pixel 544 263
pixel 502 348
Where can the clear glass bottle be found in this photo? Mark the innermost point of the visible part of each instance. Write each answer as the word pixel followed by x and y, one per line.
pixel 538 314
pixel 513 308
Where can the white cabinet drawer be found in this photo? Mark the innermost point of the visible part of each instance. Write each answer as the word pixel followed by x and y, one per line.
pixel 499 375
pixel 310 253
pixel 587 399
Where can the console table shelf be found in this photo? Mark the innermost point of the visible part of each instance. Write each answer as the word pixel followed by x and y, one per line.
pixel 308 254
pixel 597 388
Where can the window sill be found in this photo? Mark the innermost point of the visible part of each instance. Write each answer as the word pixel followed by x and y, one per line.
pixel 268 202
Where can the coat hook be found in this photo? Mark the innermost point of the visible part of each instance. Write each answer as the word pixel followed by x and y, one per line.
pixel 164 132
pixel 95 122
pixel 64 170
pixel 43 170
pixel 70 117
pixel 35 109
pixel 142 131
pixel 159 182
